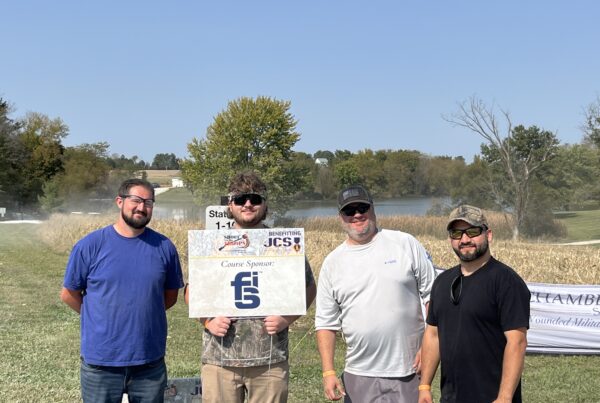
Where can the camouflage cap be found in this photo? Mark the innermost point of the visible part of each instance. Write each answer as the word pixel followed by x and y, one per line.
pixel 353 194
pixel 469 214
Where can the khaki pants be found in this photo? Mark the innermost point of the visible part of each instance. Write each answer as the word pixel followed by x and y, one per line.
pixel 230 384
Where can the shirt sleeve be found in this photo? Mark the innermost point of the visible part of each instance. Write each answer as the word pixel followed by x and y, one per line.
pixel 77 269
pixel 423 270
pixel 174 279
pixel 513 302
pixel 308 274
pixel 327 315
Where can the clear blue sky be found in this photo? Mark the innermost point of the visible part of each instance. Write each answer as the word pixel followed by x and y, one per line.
pixel 148 76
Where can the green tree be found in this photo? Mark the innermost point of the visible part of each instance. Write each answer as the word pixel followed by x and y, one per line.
pixel 12 155
pixel 251 134
pixel 304 164
pixel 41 138
pixel 346 173
pixel 123 163
pixel 571 177
pixel 475 186
pixel 86 175
pixel 591 127
pixel 165 161
pixel 440 174
pixel 513 154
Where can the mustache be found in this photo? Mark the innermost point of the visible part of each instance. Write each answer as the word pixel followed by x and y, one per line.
pixel 141 213
pixel 463 245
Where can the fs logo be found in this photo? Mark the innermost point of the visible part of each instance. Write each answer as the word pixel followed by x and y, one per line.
pixel 245 288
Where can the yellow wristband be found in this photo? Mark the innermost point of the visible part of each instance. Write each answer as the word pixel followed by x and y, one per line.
pixel 424 387
pixel 206 322
pixel 327 373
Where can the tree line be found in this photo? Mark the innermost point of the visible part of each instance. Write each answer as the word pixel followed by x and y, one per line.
pixel 39 174
pixel 524 171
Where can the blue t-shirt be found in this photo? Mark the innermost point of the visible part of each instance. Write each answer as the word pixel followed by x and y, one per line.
pixel 123 318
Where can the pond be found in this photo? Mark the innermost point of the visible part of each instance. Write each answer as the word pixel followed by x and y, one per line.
pixel 306 209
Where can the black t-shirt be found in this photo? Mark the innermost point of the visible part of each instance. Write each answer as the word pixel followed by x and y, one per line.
pixel 493 300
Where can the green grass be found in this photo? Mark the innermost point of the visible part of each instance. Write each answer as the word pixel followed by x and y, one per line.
pixel 582 225
pixel 175 195
pixel 39 339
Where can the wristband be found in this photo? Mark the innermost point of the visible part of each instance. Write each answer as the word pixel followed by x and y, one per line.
pixel 424 387
pixel 327 373
pixel 206 322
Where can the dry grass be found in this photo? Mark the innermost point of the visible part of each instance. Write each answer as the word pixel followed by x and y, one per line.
pixel 162 176
pixel 62 231
pixel 535 262
pixel 434 226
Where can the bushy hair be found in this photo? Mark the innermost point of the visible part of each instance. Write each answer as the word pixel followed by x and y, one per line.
pixel 247 182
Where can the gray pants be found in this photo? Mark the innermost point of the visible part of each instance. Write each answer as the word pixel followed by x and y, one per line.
pixel 364 389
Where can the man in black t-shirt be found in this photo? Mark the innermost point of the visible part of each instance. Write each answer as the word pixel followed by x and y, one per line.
pixel 477 321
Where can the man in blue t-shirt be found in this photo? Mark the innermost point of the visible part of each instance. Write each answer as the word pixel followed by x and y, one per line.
pixel 121 279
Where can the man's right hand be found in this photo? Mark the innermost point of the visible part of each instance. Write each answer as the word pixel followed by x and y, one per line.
pixel 333 388
pixel 425 396
pixel 218 326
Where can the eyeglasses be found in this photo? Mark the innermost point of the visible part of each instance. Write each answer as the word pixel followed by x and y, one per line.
pixel 350 211
pixel 137 200
pixel 255 199
pixel 456 289
pixel 471 232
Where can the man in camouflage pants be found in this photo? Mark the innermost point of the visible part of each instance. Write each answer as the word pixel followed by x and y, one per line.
pixel 248 356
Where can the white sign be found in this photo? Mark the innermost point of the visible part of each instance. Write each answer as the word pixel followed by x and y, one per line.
pixel 245 273
pixel 564 319
pixel 216 218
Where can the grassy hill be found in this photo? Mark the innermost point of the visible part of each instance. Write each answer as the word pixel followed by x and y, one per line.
pixel 162 177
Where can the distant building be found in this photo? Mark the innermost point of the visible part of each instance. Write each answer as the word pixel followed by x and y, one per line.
pixel 177 182
pixel 322 161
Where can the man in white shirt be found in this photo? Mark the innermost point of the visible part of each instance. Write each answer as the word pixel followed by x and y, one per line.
pixel 372 287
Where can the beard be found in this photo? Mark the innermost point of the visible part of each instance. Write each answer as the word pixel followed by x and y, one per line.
pixel 360 235
pixel 136 223
pixel 251 221
pixel 479 251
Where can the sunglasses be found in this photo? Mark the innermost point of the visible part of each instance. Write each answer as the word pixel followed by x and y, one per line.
pixel 456 289
pixel 471 232
pixel 349 211
pixel 240 200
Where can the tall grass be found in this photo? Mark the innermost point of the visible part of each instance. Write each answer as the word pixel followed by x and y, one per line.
pixel 535 262
pixel 432 226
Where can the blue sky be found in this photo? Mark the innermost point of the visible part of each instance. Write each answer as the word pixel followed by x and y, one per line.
pixel 148 76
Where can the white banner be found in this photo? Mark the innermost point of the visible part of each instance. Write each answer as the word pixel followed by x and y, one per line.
pixel 565 319
pixel 244 273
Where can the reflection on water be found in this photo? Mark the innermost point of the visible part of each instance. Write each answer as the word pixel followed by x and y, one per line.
pixel 179 211
pixel 304 209
pixel 409 206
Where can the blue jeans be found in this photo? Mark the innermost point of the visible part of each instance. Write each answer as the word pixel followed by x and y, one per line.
pixel 143 383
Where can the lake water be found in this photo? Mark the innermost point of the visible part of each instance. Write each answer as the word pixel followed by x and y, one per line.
pixel 408 206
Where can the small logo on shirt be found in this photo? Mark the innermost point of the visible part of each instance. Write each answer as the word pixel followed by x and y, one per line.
pixel 390 261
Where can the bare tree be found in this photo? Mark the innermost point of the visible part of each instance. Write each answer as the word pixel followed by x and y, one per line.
pixel 514 152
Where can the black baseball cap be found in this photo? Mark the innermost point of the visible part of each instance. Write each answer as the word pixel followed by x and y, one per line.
pixel 353 194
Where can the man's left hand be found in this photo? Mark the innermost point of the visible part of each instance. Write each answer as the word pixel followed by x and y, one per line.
pixel 275 324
